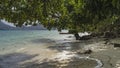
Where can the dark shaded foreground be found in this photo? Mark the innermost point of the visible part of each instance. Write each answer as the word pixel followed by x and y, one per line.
pixel 107 53
pixel 13 60
pixel 70 63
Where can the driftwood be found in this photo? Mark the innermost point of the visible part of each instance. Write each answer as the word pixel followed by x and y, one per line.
pixel 116 45
pixel 87 37
pixel 77 36
pixel 64 33
pixel 85 52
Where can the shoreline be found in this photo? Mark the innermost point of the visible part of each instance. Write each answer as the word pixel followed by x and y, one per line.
pixel 35 56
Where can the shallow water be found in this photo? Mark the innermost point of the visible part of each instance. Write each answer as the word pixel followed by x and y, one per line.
pixel 30 48
pixel 19 38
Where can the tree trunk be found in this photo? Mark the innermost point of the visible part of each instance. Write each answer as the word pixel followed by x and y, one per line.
pixel 77 36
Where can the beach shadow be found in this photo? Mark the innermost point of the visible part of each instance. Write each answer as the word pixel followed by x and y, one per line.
pixel 73 63
pixel 68 46
pixel 44 64
pixel 13 60
pixel 73 46
pixel 44 40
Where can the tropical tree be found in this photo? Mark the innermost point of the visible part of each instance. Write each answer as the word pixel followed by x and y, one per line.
pixel 77 15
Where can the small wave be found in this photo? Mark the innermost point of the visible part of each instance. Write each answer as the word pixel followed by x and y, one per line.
pixel 65 55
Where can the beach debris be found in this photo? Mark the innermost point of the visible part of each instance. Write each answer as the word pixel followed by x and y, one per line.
pixel 109 35
pixel 85 51
pixel 87 37
pixel 77 36
pixel 116 45
pixel 107 41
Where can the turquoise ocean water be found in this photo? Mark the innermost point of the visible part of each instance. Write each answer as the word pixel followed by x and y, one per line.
pixel 10 39
pixel 18 46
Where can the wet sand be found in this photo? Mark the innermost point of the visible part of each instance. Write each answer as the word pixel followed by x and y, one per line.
pixel 63 55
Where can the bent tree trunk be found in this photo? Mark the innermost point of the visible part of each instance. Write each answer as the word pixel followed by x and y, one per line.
pixel 75 32
pixel 77 36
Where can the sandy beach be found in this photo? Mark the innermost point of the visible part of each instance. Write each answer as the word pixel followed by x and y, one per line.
pixel 70 54
pixel 59 33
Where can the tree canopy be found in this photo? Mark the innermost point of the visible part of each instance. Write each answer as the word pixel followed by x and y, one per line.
pixel 82 15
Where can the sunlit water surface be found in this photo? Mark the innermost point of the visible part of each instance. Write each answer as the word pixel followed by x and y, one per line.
pixel 17 45
pixel 17 39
